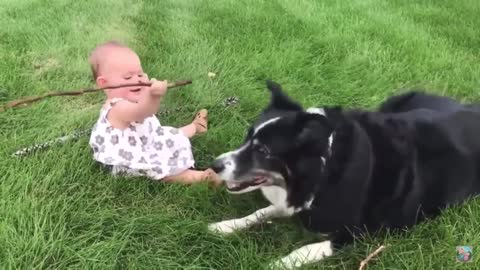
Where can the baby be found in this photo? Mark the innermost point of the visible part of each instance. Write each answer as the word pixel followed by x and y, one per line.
pixel 127 136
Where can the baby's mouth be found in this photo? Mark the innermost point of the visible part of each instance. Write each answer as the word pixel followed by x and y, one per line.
pixel 135 90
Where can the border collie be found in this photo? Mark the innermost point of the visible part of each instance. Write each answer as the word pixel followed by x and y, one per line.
pixel 347 172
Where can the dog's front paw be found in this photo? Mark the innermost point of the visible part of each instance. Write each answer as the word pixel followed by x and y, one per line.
pixel 224 227
pixel 305 255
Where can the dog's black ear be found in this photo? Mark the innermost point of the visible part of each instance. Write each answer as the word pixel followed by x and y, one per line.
pixel 279 100
pixel 313 132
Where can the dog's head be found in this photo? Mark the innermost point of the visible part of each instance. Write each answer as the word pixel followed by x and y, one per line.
pixel 282 136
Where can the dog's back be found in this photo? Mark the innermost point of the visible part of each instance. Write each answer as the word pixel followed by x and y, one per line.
pixel 413 100
pixel 446 132
pixel 449 145
pixel 438 143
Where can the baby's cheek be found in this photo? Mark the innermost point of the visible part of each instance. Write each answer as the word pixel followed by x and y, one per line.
pixel 126 93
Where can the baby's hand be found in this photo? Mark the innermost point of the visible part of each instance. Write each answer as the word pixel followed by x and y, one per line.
pixel 158 88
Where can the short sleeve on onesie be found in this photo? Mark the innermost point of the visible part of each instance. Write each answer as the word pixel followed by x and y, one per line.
pixel 143 148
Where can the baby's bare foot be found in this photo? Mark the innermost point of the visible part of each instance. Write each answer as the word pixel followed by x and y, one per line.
pixel 213 178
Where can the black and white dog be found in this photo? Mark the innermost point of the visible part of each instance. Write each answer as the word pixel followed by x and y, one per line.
pixel 347 172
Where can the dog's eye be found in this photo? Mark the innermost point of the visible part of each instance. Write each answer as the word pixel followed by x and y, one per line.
pixel 261 149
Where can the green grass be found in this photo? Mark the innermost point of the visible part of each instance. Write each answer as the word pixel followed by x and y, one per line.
pixel 59 210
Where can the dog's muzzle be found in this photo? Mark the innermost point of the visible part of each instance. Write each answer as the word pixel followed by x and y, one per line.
pixel 224 166
pixel 218 166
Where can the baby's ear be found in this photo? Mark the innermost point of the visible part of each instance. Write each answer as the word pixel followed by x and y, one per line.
pixel 101 81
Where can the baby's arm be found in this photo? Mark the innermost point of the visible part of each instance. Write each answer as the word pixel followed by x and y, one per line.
pixel 125 111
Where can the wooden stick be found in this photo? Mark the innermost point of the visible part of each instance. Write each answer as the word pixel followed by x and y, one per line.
pixel 369 257
pixel 28 100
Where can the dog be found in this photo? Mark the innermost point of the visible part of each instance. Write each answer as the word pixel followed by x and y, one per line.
pixel 348 172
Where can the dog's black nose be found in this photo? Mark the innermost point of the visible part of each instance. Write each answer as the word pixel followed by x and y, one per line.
pixel 218 166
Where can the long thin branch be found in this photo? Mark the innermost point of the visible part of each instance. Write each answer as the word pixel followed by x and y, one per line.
pixel 28 100
pixel 364 263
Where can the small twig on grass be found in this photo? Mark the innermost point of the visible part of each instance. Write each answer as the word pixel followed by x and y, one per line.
pixel 369 257
pixel 28 100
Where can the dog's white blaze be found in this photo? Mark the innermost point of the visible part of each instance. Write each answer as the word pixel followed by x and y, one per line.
pixel 229 162
pixel 228 158
pixel 320 111
pixel 234 152
pixel 305 255
pixel 227 173
pixel 266 123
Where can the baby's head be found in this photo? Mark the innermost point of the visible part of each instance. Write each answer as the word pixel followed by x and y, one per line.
pixel 113 63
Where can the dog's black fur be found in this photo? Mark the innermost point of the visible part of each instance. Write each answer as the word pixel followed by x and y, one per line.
pixel 390 168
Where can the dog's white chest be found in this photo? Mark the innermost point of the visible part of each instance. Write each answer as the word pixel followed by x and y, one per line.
pixel 277 196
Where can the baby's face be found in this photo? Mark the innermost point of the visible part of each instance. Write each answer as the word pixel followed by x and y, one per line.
pixel 123 67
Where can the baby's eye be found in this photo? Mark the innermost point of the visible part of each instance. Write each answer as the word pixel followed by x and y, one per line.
pixel 140 75
pixel 127 77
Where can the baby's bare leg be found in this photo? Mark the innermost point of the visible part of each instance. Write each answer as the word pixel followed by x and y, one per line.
pixel 193 176
pixel 199 124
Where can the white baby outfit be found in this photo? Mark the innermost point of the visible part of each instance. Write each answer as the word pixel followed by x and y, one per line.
pixel 142 149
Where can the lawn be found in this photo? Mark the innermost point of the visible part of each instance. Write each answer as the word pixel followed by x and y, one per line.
pixel 59 210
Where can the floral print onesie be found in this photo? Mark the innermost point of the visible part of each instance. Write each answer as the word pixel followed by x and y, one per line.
pixel 142 149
